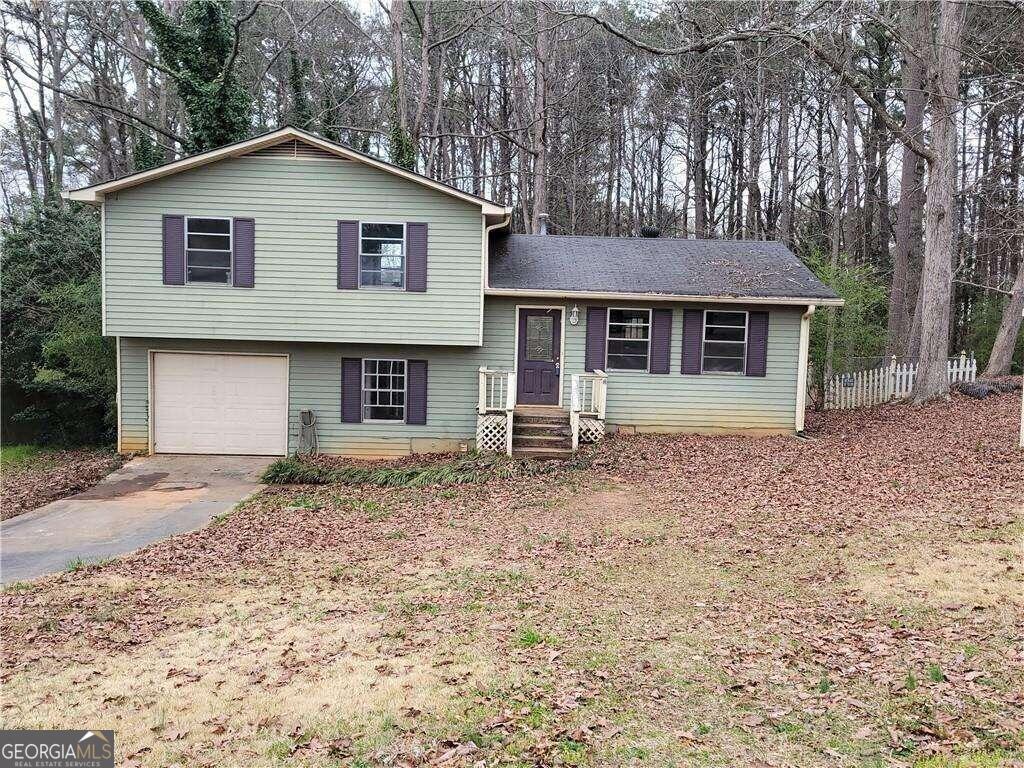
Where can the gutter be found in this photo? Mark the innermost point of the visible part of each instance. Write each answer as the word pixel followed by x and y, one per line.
pixel 719 299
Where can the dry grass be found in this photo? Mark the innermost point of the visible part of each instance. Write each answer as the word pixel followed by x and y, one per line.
pixel 690 601
pixel 974 575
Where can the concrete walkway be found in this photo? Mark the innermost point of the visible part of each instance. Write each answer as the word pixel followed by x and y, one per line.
pixel 148 499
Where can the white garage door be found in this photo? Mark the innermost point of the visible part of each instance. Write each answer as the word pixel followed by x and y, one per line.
pixel 220 404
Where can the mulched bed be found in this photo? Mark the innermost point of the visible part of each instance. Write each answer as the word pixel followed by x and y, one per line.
pixel 53 475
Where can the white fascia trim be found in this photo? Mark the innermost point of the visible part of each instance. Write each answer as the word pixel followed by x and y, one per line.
pixel 95 193
pixel 610 296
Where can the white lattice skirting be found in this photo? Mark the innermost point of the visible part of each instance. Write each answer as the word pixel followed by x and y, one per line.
pixel 490 432
pixel 591 430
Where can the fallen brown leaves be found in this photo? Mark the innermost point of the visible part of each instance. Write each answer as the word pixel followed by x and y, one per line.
pixel 766 601
pixel 53 475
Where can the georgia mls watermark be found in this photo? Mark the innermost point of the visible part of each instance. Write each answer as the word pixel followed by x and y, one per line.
pixel 56 749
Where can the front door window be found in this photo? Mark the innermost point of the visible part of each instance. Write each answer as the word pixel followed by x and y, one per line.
pixel 540 346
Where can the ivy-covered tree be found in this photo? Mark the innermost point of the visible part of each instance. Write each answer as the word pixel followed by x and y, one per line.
pixel 403 149
pixel 199 54
pixel 301 111
pixel 146 153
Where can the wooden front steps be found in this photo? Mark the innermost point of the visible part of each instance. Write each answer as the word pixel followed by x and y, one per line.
pixel 541 433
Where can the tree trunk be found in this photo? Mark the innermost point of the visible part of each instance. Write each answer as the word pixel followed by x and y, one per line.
pixel 937 275
pixel 698 150
pixel 910 211
pixel 785 216
pixel 1006 338
pixel 540 120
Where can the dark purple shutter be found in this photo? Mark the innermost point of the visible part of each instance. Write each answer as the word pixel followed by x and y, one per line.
pixel 415 257
pixel 244 256
pixel 597 332
pixel 174 250
pixel 757 343
pixel 348 255
pixel 661 340
pixel 693 330
pixel 351 390
pixel 416 392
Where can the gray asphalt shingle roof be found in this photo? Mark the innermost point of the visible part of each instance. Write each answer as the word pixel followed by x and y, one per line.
pixel 666 266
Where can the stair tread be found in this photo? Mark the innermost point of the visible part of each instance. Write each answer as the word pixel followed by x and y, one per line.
pixel 540 453
pixel 532 419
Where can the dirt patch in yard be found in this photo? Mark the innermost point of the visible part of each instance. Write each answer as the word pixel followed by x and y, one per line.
pixel 48 475
pixel 688 600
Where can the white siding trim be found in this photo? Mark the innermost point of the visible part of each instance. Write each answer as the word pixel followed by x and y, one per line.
pixel 801 371
pixel 103 274
pixel 117 395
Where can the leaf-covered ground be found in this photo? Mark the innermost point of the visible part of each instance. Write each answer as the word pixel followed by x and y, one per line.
pixel 855 598
pixel 31 476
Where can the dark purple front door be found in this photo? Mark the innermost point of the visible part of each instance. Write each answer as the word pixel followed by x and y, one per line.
pixel 540 352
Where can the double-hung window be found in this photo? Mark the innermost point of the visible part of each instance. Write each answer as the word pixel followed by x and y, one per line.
pixel 383 390
pixel 208 250
pixel 382 255
pixel 725 342
pixel 629 339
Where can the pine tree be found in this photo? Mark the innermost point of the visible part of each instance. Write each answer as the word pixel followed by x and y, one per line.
pixel 199 54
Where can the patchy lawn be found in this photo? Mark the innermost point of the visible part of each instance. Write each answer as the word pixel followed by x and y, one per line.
pixel 33 476
pixel 855 598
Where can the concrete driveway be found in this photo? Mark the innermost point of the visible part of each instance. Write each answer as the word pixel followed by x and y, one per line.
pixel 148 499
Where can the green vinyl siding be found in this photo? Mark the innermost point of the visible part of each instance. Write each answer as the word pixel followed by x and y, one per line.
pixel 296 204
pixel 673 401
pixel 314 382
pixel 644 401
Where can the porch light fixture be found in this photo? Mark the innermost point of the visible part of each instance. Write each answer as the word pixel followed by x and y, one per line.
pixel 574 315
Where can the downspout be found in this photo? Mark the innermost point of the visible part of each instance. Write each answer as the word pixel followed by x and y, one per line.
pixel 487 246
pixel 801 373
pixel 485 277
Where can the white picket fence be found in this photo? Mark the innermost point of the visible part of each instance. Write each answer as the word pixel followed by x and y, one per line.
pixel 888 382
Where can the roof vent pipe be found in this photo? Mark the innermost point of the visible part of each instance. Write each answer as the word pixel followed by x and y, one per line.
pixel 543 218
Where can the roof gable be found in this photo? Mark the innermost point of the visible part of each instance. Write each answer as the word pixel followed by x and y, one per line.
pixel 289 137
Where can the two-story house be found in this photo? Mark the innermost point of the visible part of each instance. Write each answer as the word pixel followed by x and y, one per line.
pixel 289 274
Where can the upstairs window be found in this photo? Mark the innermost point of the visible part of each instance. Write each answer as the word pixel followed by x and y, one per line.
pixel 725 342
pixel 208 250
pixel 382 255
pixel 383 390
pixel 629 339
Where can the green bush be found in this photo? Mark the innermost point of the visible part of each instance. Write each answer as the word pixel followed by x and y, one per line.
pixel 859 327
pixel 58 375
pixel 473 468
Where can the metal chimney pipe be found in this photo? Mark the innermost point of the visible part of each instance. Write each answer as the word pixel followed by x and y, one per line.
pixel 543 223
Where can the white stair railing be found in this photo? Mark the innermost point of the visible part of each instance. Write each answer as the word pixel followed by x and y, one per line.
pixel 510 409
pixel 588 395
pixel 496 403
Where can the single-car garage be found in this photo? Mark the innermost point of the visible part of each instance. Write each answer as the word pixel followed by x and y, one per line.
pixel 219 403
